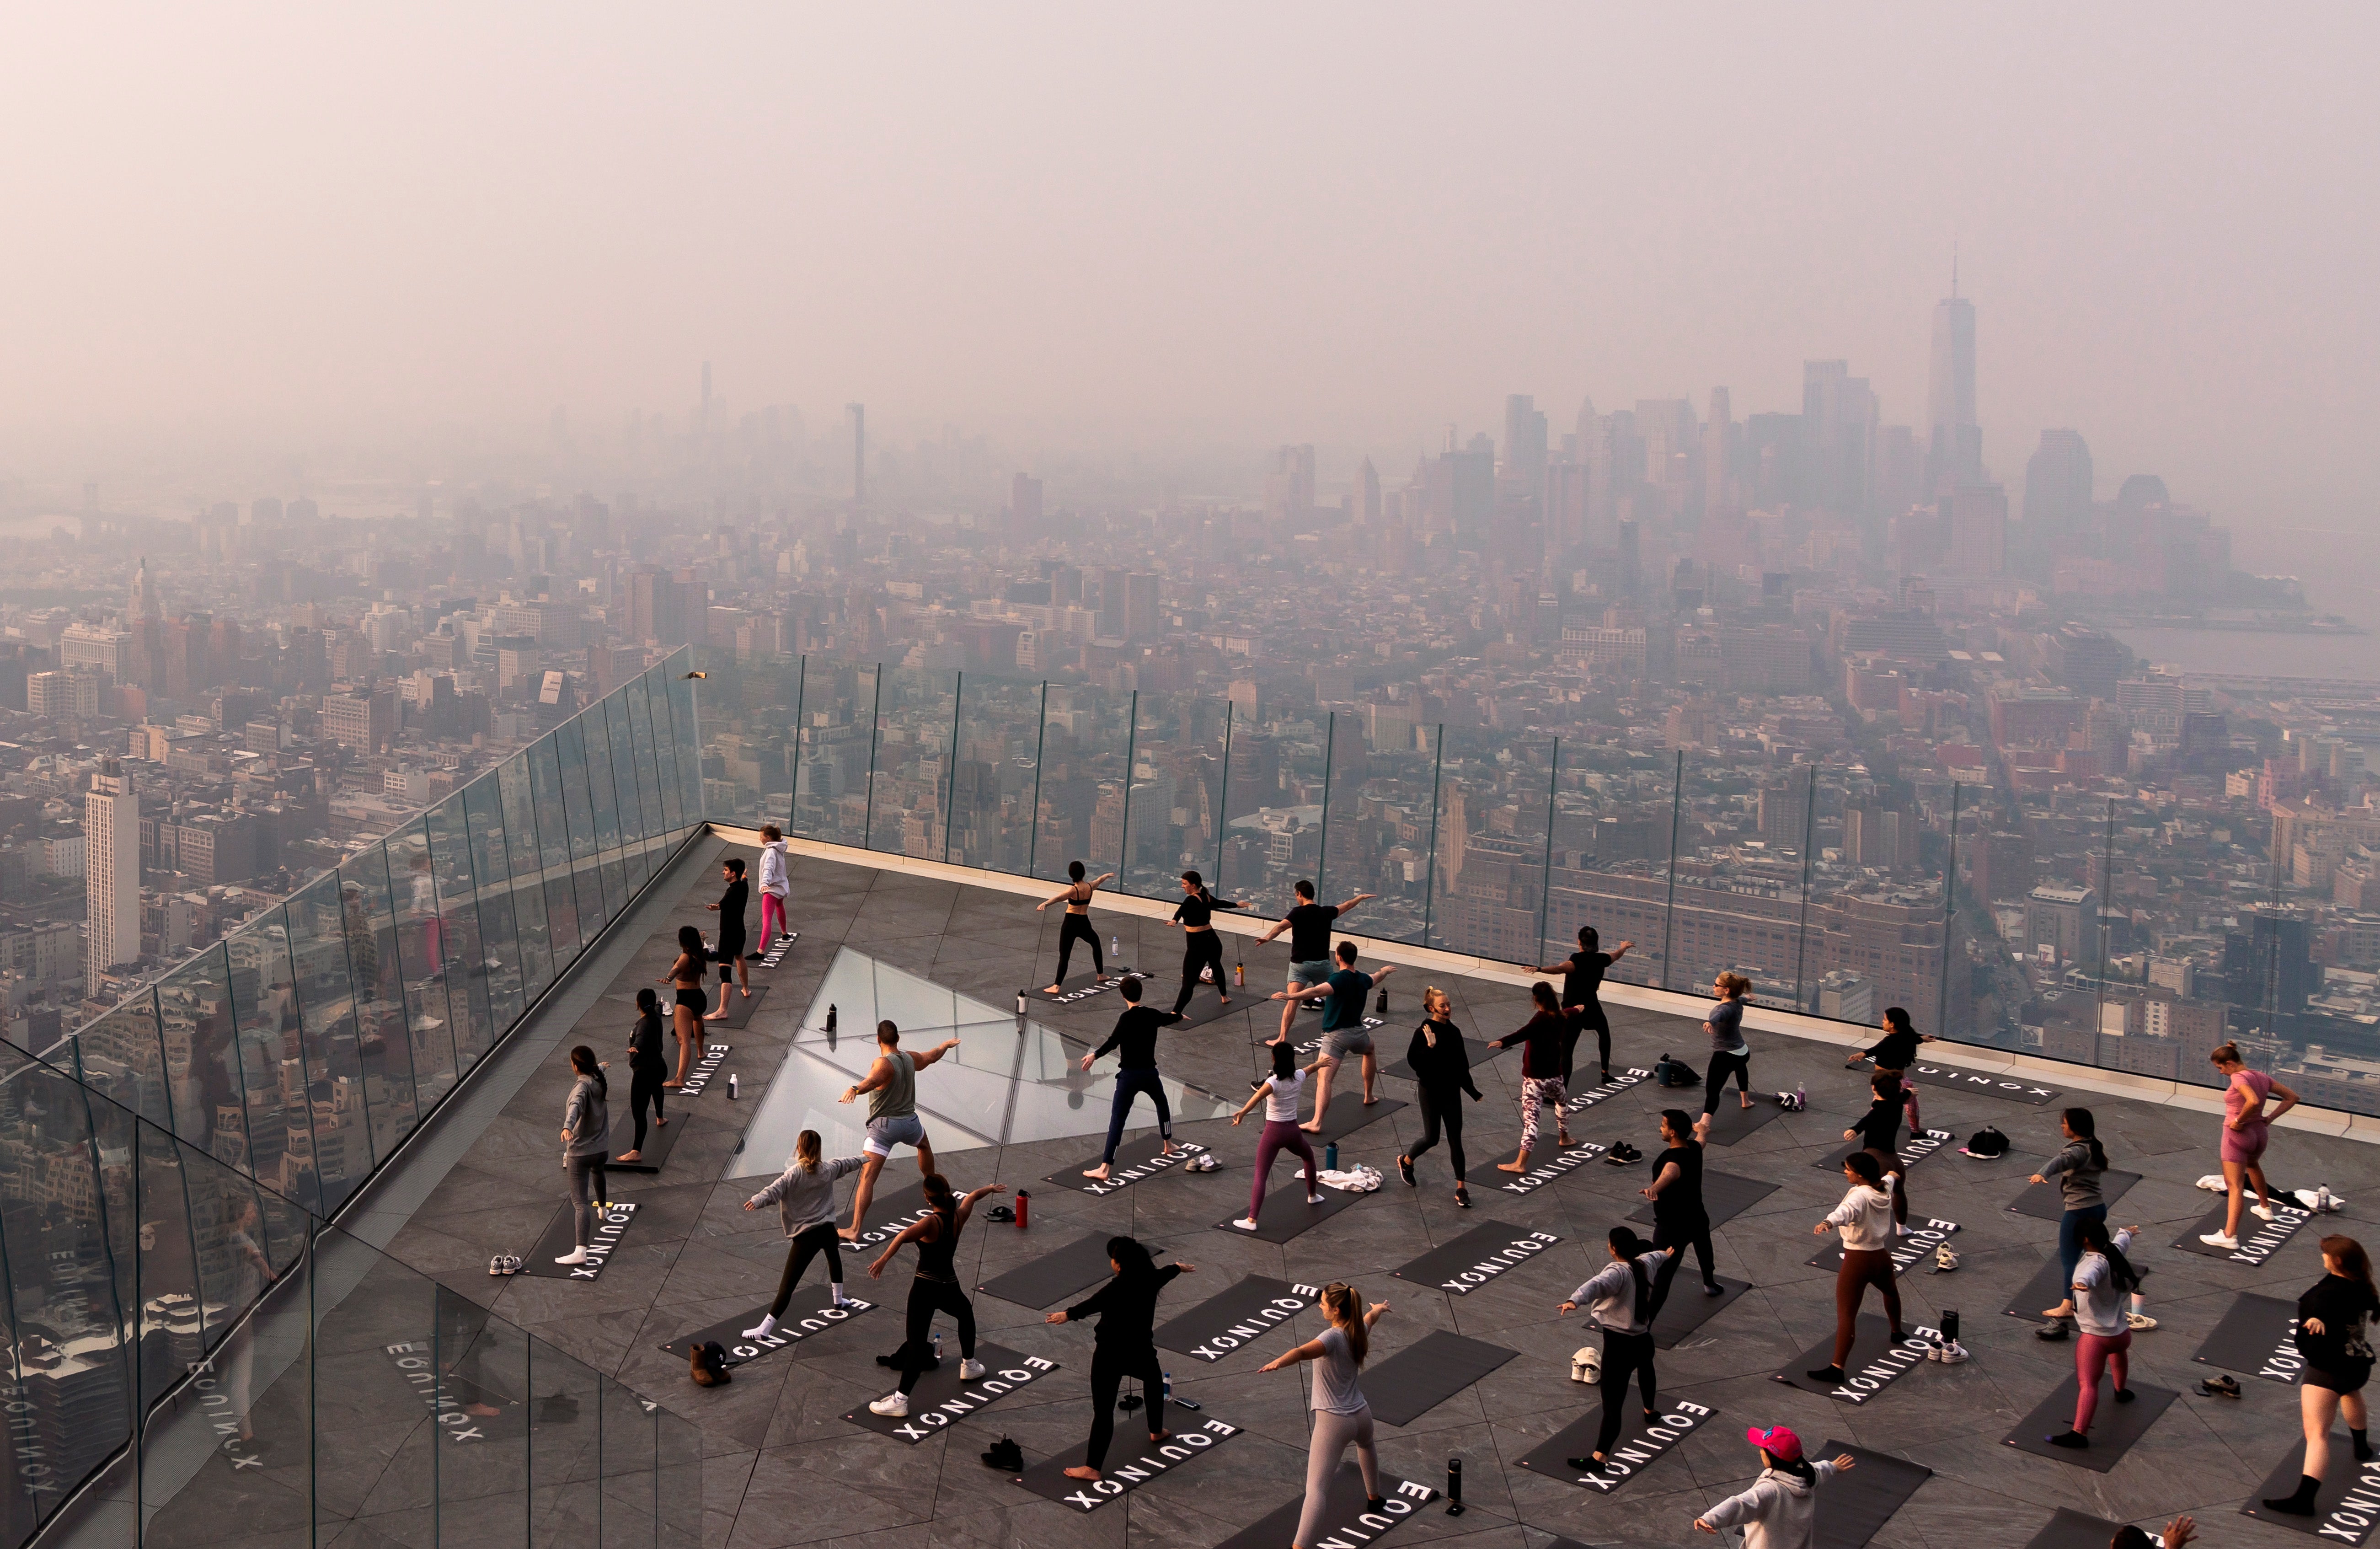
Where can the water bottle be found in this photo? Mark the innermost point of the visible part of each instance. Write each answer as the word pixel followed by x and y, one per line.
pixel 1239 976
pixel 1020 1002
pixel 1330 1157
pixel 1383 1007
pixel 1021 1198
pixel 1168 1387
pixel 1116 946
pixel 830 1017
pixel 938 1348
pixel 1454 1487
pixel 1950 1326
pixel 731 1086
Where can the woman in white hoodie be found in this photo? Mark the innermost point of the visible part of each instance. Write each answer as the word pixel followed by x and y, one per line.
pixel 1865 1220
pixel 774 888
pixel 1781 1510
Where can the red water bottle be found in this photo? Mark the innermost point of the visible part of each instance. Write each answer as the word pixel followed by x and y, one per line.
pixel 1021 1198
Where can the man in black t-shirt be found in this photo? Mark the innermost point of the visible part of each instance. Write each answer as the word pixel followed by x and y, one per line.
pixel 1582 1000
pixel 1308 924
pixel 731 908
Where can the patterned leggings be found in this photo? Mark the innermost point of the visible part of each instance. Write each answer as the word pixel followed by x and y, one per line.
pixel 1536 1092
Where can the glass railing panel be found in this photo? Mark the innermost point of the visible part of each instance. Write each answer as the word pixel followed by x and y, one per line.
pixel 565 1457
pixel 996 774
pixel 341 1096
pixel 1173 816
pixel 652 827
pixel 483 1480
pixel 385 1046
pixel 1273 804
pixel 376 1402
pixel 915 721
pixel 508 955
pixel 603 795
pixel 835 745
pixel 514 829
pixel 629 1436
pixel 1085 741
pixel 280 1098
pixel 1380 820
pixel 544 817
pixel 432 1015
pixel 578 809
pixel 685 736
pixel 1610 856
pixel 1494 807
pixel 124 1056
pixel 627 794
pixel 464 954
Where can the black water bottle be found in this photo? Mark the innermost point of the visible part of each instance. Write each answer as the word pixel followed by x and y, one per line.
pixel 1950 1325
pixel 1454 1487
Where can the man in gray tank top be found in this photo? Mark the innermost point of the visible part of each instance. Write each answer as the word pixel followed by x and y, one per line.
pixel 891 1089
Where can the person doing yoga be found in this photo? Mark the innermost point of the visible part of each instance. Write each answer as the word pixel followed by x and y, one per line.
pixel 1728 1052
pixel 1202 949
pixel 1582 996
pixel 1781 1510
pixel 1308 924
pixel 1342 1414
pixel 1442 1069
pixel 1879 1132
pixel 1277 1092
pixel 2079 1166
pixel 1679 1217
pixel 2247 1128
pixel 1618 1297
pixel 803 1195
pixel 1896 1051
pixel 586 1141
pixel 1344 1032
pixel 2103 1284
pixel 776 886
pixel 1541 1084
pixel 1864 1219
pixel 646 1069
pixel 1135 1042
pixel 1124 1346
pixel 729 953
pixel 1076 924
pixel 684 980
pixel 935 1289
pixel 2334 1321
pixel 891 1089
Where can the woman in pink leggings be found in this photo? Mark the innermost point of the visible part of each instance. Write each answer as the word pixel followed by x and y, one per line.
pixel 2104 1283
pixel 1278 1094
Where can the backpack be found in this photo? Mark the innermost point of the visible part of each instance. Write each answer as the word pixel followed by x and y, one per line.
pixel 708 1365
pixel 1987 1142
pixel 1675 1073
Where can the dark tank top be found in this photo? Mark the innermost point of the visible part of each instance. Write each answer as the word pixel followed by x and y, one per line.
pixel 934 1262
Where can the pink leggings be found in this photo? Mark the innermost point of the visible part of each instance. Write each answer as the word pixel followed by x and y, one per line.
pixel 2094 1355
pixel 772 908
pixel 1279 1134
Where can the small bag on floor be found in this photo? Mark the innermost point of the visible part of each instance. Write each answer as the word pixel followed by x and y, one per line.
pixel 1675 1073
pixel 708 1365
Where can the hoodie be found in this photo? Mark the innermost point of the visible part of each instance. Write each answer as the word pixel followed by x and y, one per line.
pixel 1864 1218
pixel 587 1119
pixel 772 868
pixel 805 1199
pixel 1778 1512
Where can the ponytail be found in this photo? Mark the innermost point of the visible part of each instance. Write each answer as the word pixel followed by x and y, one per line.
pixel 2086 1130
pixel 2092 1233
pixel 806 1151
pixel 1346 1314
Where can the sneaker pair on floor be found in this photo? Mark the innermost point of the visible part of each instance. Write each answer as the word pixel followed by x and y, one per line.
pixel 1248 1223
pixel 895 1404
pixel 2225 1239
pixel 1950 1353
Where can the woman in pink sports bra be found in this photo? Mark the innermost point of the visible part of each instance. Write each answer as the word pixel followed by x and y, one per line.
pixel 2247 1125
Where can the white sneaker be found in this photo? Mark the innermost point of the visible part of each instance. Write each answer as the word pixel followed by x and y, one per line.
pixel 893 1406
pixel 970 1370
pixel 768 1326
pixel 1951 1354
pixel 576 1256
pixel 844 1301
pixel 2262 1212
pixel 2216 1239
pixel 1245 1223
pixel 2139 1322
pixel 1314 1198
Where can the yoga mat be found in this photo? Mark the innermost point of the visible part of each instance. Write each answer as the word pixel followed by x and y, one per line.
pixel 739 1007
pixel 2334 1520
pixel 1080 987
pixel 1907 1251
pixel 2114 1428
pixel 660 1141
pixel 2070 1529
pixel 709 1056
pixel 2259 1239
pixel 1345 1521
pixel 1205 1004
pixel 1853 1507
pixel 449 1400
pixel 1309 1045
pixel 1135 1160
pixel 1604 1091
pixel 1476 1257
pixel 779 945
pixel 1479 1052
pixel 792 1329
pixel 1348 1114
pixel 1544 1167
pixel 1426 1373
pixel 560 1234
pixel 1731 1122
pixel 1638 1446
pixel 1128 1467
pixel 1054 1277
pixel 1725 1196
pixel 2016 1089
pixel 1235 1317
pixel 941 1397
pixel 2044 1202
pixel 2258 1334
pixel 1912 1153
pixel 1876 1358
pixel 1286 1213
pixel 1688 1309
pixel 2046 1288
pixel 887 1212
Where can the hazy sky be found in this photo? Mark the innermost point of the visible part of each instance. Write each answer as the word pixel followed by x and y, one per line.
pixel 1141 225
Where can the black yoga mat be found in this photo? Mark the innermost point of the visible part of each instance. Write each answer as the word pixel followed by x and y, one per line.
pixel 2259 1335
pixel 2070 1529
pixel 1731 1122
pixel 1688 1309
pixel 660 1141
pixel 1639 1447
pixel 797 1327
pixel 1426 1373
pixel 1725 1197
pixel 1853 1507
pixel 709 1059
pixel 1484 1253
pixel 1546 1165
pixel 1236 1317
pixel 888 1212
pixel 2045 1201
pixel 779 945
pixel 1135 1160
pixel 1132 1461
pixel 1876 1360
pixel 940 1397
pixel 560 1234
pixel 1286 1213
pixel 1044 1282
pixel 1595 1096
pixel 1479 1052
pixel 1925 1235
pixel 1345 1521
pixel 1912 1153
pixel 2046 1288
pixel 739 1007
pixel 2332 1520
pixel 1347 1113
pixel 2016 1089
pixel 2113 1428
pixel 2259 1239
pixel 1085 986
pixel 1206 1003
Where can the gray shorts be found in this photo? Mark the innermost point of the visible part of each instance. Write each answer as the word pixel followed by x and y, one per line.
pixel 894 1129
pixel 1346 1042
pixel 1308 974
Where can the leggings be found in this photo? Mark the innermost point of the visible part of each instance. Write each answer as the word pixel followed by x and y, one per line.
pixel 1909 1088
pixel 1890 1162
pixel 1279 1134
pixel 773 914
pixel 1109 1369
pixel 1536 1092
pixel 1324 1450
pixel 1862 1267
pixel 1072 929
pixel 1199 949
pixel 2070 1247
pixel 1624 1354
pixel 1716 1082
pixel 1680 1234
pixel 808 1243
pixel 586 1188
pixel 1437 1110
pixel 644 1086
pixel 2096 1354
pixel 925 1299
pixel 1128 1084
pixel 1581 1019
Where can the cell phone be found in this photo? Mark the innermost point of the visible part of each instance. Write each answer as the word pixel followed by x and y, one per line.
pixel 1188 1403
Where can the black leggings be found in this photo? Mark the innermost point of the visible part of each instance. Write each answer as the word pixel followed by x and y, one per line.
pixel 1072 929
pixel 1716 1082
pixel 1581 1019
pixel 1623 1354
pixel 645 1085
pixel 1437 1111
pixel 1680 1234
pixel 925 1299
pixel 1109 1369
pixel 1199 948
pixel 807 1244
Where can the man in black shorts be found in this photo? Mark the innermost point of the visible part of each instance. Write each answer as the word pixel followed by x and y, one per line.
pixel 730 951
pixel 1308 924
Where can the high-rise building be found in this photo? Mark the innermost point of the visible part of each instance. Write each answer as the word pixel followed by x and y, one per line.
pixel 111 832
pixel 1142 620
pixel 1978 529
pixel 1524 442
pixel 1839 419
pixel 859 412
pixel 2057 484
pixel 1719 496
pixel 1024 499
pixel 1955 450
pixel 1364 497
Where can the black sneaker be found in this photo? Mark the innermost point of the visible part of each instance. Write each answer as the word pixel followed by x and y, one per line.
pixel 1714 1288
pixel 1405 1170
pixel 2125 1395
pixel 1830 1374
pixel 2072 1440
pixel 2054 1331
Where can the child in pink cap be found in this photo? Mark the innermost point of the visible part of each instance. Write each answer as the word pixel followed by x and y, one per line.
pixel 1781 1510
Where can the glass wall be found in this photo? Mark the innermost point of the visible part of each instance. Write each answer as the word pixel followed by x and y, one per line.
pixel 171 1165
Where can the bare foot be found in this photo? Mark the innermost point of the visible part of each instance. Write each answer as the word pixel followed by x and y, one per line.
pixel 1053 990
pixel 1169 1150
pixel 659 1123
pixel 1313 1128
pixel 1564 1142
pixel 1079 1471
pixel 1369 1100
pixel 848 1234
pixel 482 1411
pixel 629 1157
pixel 722 1016
pixel 1519 1167
pixel 672 1086
pixel 1099 1172
pixel 1747 1105
pixel 1159 1438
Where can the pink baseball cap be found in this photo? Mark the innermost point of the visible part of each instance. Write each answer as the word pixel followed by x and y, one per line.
pixel 1777 1441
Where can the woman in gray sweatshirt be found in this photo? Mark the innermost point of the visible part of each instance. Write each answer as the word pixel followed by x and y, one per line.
pixel 586 1141
pixel 803 1195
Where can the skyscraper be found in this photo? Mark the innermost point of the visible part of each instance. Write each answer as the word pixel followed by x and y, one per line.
pixel 1955 448
pixel 1524 442
pixel 1839 422
pixel 111 837
pixel 1718 499
pixel 1025 500
pixel 1363 502
pixel 858 453
pixel 2058 483
pixel 1978 529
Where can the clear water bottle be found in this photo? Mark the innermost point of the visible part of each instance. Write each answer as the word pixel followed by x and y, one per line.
pixel 938 1348
pixel 731 1087
pixel 1168 1387
pixel 1115 947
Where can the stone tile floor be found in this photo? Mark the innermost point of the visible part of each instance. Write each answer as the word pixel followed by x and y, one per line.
pixel 781 1467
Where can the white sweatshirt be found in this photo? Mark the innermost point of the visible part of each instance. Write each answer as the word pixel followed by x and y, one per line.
pixel 1864 1218
pixel 772 868
pixel 1778 1512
